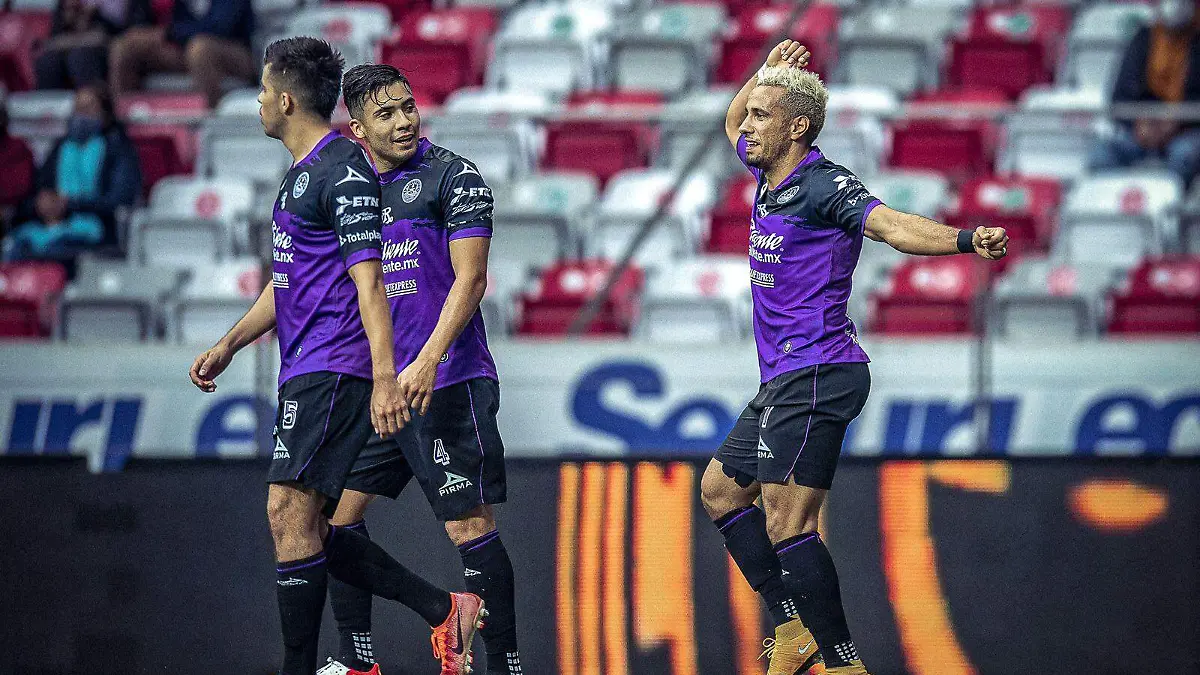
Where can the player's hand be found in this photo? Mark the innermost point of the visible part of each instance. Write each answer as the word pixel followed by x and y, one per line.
pixel 991 243
pixel 416 383
pixel 209 365
pixel 389 411
pixel 788 52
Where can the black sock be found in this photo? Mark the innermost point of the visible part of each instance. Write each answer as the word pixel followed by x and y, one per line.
pixel 361 562
pixel 352 609
pixel 745 532
pixel 301 590
pixel 489 574
pixel 814 583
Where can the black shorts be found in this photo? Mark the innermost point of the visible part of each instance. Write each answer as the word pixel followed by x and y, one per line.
pixel 322 423
pixel 454 451
pixel 795 426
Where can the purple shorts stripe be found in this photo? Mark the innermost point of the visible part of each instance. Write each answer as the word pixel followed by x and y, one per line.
pixel 469 232
pixel 325 432
pixel 478 439
pixel 803 539
pixel 811 409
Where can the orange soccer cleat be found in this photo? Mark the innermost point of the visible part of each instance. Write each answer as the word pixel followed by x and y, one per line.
pixel 452 640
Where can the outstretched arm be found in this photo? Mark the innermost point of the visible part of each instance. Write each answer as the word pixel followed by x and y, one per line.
pixel 788 51
pixel 916 235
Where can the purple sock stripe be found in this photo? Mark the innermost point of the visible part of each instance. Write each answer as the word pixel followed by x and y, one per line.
pixel 353 526
pixel 479 541
pixel 329 535
pixel 478 439
pixel 328 416
pixel 803 539
pixel 302 566
pixel 741 512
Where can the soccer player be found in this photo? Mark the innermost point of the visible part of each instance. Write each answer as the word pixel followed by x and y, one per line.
pixel 337 378
pixel 806 231
pixel 437 224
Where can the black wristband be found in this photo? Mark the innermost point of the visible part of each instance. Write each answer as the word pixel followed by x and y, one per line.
pixel 966 239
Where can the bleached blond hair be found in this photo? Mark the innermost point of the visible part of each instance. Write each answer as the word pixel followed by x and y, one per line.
pixel 804 95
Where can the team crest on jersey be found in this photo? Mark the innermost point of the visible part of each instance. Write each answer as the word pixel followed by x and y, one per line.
pixel 300 186
pixel 788 195
pixel 412 190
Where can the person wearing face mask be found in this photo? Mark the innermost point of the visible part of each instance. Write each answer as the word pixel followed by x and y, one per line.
pixel 1161 65
pixel 90 174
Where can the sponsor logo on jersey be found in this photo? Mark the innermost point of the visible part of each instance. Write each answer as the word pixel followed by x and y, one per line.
pixel 352 176
pixel 398 288
pixel 300 185
pixel 412 190
pixel 280 279
pixel 400 249
pixel 762 210
pixel 454 483
pixel 358 202
pixel 290 408
pixel 357 237
pixel 363 217
pixel 764 279
pixel 387 215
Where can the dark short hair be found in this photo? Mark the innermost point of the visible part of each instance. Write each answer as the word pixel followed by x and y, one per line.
pixel 310 69
pixel 366 81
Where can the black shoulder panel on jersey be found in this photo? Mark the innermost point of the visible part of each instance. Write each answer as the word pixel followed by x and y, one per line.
pixel 463 195
pixel 351 200
pixel 838 196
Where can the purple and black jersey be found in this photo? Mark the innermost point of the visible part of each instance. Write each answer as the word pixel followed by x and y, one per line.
pixel 326 220
pixel 805 238
pixel 432 200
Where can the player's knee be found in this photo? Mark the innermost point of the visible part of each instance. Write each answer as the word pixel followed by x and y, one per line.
pixel 288 516
pixel 720 494
pixel 473 525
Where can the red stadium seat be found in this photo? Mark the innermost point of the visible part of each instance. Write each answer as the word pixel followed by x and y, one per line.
pixel 565 288
pixel 163 150
pixel 1161 296
pixel 754 25
pixel 981 97
pixel 929 296
pixel 1026 207
pixel 602 147
pixel 730 231
pixel 20 33
pixel 599 99
pixel 28 292
pixel 1010 48
pixel 398 8
pixel 442 50
pixel 956 148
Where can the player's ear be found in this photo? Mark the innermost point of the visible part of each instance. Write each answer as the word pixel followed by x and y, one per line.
pixel 799 128
pixel 287 104
pixel 357 128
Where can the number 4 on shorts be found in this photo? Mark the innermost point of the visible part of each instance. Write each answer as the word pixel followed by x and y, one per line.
pixel 440 456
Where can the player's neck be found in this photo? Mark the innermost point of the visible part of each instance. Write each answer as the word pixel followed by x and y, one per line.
pixel 303 135
pixel 786 165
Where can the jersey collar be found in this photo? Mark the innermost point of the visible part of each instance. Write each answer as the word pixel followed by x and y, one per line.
pixel 814 155
pixel 318 147
pixel 423 146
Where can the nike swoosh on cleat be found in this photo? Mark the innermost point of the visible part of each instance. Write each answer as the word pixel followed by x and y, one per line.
pixel 805 647
pixel 459 648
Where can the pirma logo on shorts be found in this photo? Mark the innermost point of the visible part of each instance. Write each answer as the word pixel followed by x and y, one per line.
pixel 454 483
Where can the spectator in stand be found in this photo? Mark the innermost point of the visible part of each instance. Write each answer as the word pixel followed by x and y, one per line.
pixel 1161 65
pixel 208 39
pixel 88 177
pixel 76 54
pixel 17 161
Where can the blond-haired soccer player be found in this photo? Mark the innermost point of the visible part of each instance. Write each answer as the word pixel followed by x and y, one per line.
pixel 810 216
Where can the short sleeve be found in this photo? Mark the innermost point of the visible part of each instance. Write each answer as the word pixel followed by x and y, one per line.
pixel 741 153
pixel 841 199
pixel 466 202
pixel 353 200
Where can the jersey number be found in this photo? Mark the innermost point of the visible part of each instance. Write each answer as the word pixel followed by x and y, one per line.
pixel 440 456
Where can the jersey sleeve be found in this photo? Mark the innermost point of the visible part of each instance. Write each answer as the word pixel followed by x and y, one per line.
pixel 352 199
pixel 466 202
pixel 741 153
pixel 841 199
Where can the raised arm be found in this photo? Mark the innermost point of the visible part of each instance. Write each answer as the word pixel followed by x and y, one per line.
pixel 916 235
pixel 788 51
pixel 256 322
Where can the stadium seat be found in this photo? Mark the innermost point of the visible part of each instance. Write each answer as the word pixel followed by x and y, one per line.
pixel 956 148
pixel 399 9
pixel 502 146
pixel 706 300
pixel 1189 223
pixel 687 123
pixel 1053 133
pixel 1097 41
pixel 162 108
pixel 162 241
pixel 853 135
pixel 226 201
pixel 729 231
pixel 1119 216
pixel 441 51
pixel 631 198
pixel 40 118
pixel 549 48
pixel 896 47
pixel 1026 207
pixel 1008 48
pixel 29 292
pixel 1049 301
pixel 110 301
pixel 241 102
pixel 354 28
pixel 667 48
pixel 1161 296
pixel 924 193
pixel 930 296
pixel 563 291
pixel 741 48
pixel 163 150
pixel 20 33
pixel 537 216
pixel 506 281
pixel 214 298
pixel 600 147
pixel 236 147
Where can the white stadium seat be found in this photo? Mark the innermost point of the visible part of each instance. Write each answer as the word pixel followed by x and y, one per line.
pixel 549 48
pixel 1053 132
pixel 110 301
pixel 214 298
pixel 40 118
pixel 354 28
pixel 1118 216
pixel 536 217
pixel 897 47
pixel 1097 42
pixel 705 300
pixel 1049 300
pixel 921 192
pixel 688 122
pixel 667 48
